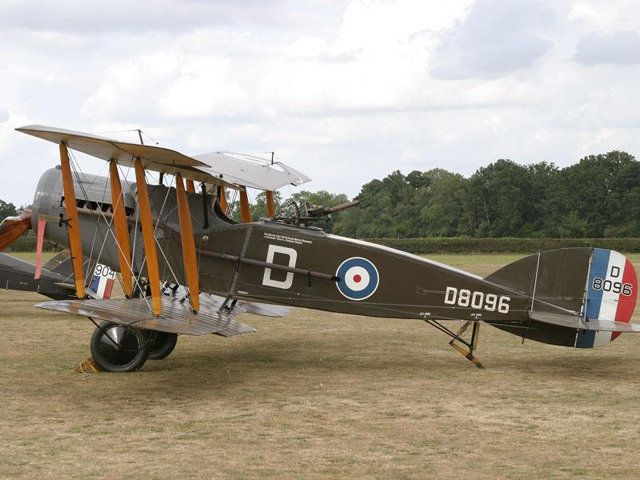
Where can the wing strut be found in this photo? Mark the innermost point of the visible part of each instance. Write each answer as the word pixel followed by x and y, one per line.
pixel 222 199
pixel 149 240
pixel 245 211
pixel 121 229
pixel 271 204
pixel 191 188
pixel 189 258
pixel 73 223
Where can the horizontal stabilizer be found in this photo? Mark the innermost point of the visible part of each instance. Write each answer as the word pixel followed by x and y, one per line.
pixel 60 263
pixel 176 317
pixel 574 321
pixel 17 274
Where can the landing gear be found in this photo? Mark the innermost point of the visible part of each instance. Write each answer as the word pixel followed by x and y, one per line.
pixel 161 344
pixel 458 343
pixel 119 348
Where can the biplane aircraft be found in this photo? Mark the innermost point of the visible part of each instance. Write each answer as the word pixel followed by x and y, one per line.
pixel 186 268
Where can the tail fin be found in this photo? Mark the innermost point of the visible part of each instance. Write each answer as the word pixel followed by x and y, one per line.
pixel 611 294
pixel 590 284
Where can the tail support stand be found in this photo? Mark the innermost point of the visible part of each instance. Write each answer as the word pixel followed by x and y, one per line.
pixel 466 348
pixel 458 343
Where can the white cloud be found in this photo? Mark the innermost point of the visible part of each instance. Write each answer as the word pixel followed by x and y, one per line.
pixel 606 15
pixel 622 48
pixel 345 91
pixel 204 88
pixel 94 16
pixel 496 37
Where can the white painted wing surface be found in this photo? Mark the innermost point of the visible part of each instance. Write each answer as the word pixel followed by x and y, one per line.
pixel 251 171
pixel 154 158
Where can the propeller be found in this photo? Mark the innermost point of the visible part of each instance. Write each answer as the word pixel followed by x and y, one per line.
pixel 13 228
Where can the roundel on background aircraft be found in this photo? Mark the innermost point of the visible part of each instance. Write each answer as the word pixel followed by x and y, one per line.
pixel 359 278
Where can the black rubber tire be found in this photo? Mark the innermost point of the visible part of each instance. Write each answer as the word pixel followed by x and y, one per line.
pixel 125 350
pixel 161 344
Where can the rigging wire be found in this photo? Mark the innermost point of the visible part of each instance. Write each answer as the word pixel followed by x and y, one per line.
pixel 137 130
pixel 98 218
pixel 77 172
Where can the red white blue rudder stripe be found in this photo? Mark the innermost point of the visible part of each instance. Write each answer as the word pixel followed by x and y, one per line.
pixel 611 293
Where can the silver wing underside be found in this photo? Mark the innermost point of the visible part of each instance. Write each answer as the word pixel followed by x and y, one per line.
pixel 176 316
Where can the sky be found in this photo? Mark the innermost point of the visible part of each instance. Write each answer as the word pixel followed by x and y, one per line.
pixel 345 91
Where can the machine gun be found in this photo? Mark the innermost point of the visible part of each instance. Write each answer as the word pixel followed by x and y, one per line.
pixel 306 214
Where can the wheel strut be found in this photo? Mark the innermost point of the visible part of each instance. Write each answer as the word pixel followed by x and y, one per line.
pixel 458 343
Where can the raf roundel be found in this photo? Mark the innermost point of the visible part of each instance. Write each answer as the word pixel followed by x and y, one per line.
pixel 358 278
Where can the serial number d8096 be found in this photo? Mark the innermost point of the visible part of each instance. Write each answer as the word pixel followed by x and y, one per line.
pixel 610 286
pixel 477 300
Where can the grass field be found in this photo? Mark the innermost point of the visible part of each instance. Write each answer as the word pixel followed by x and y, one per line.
pixel 316 395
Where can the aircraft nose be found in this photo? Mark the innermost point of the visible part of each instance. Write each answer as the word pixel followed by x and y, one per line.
pixel 47 197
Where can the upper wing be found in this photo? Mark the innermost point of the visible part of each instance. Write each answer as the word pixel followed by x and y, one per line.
pixel 221 168
pixel 251 171
pixel 153 158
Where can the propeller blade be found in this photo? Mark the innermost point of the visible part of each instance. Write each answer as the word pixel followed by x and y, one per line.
pixel 13 228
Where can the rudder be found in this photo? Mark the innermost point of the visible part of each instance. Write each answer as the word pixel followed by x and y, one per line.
pixel 594 283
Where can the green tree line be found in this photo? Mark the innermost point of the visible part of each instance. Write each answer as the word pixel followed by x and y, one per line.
pixel 597 197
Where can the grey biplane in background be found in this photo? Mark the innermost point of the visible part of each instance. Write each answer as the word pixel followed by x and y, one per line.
pixel 186 268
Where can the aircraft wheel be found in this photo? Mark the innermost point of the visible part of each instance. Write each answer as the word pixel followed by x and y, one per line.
pixel 119 348
pixel 161 344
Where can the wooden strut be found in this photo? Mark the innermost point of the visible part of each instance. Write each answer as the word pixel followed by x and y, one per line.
pixel 191 188
pixel 271 204
pixel 121 229
pixel 73 222
pixel 189 258
pixel 149 240
pixel 245 211
pixel 222 199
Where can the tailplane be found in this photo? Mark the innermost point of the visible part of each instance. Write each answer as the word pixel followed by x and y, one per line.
pixel 581 297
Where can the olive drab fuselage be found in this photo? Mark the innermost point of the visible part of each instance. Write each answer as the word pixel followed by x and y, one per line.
pixel 280 263
pixel 275 262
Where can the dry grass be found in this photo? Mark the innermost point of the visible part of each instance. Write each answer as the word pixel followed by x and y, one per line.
pixel 315 395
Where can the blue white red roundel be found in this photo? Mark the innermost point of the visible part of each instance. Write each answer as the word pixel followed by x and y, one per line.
pixel 359 278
